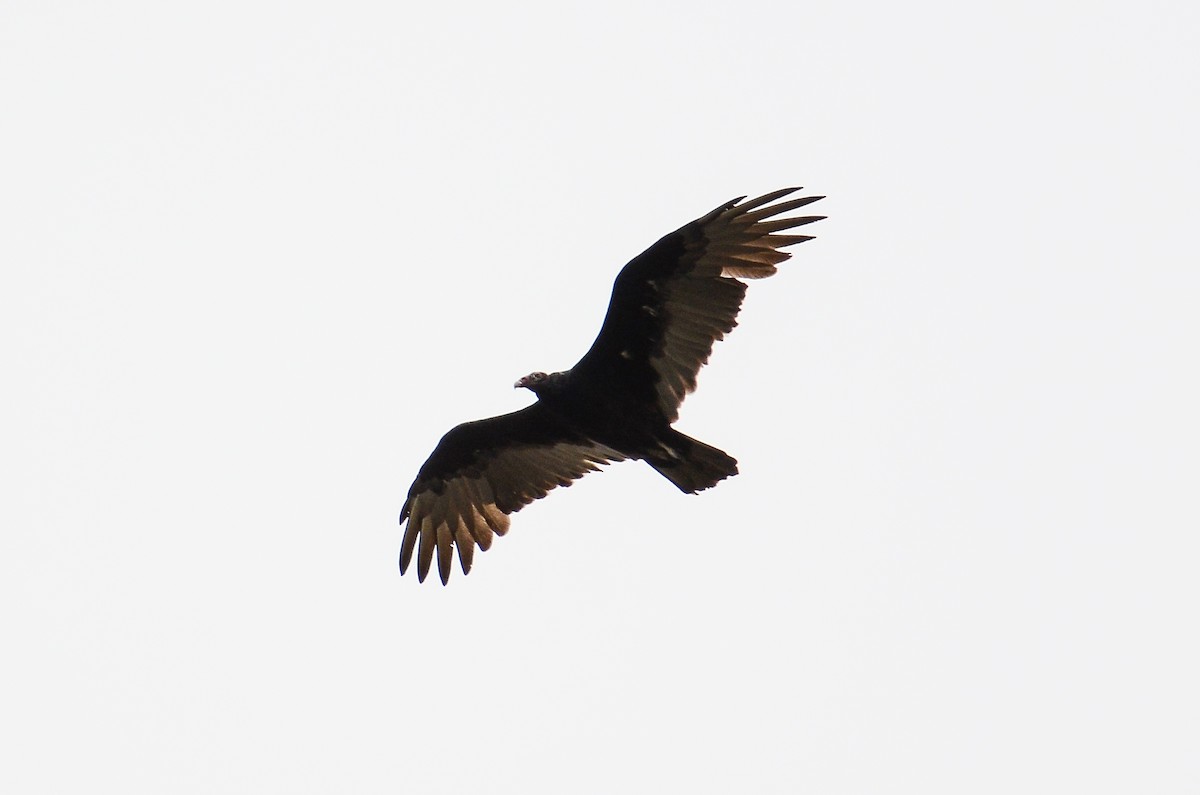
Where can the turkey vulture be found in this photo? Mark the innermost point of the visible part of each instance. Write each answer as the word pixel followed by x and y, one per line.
pixel 669 305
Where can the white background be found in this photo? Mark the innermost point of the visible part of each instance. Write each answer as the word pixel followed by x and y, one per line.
pixel 258 256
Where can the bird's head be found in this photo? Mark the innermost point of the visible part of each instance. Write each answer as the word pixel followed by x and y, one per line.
pixel 533 382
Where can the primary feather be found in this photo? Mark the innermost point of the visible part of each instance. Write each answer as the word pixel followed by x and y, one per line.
pixel 669 305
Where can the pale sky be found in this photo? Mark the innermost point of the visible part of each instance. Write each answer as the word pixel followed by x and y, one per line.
pixel 258 257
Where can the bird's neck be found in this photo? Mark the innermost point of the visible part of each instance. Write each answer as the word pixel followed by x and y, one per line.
pixel 554 385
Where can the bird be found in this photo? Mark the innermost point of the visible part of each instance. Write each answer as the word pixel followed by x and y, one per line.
pixel 669 305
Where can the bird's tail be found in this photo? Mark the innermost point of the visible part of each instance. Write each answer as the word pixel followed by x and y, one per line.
pixel 691 465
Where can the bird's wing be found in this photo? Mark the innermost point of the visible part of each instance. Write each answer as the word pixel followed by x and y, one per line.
pixel 482 471
pixel 673 301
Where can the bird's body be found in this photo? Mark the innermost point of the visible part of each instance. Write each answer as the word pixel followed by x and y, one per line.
pixel 619 420
pixel 669 305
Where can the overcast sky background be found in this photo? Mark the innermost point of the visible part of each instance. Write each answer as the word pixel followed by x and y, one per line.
pixel 258 256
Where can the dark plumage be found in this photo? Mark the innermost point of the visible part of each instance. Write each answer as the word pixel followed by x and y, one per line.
pixel 669 305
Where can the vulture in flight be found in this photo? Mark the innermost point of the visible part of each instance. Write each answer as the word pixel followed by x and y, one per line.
pixel 669 305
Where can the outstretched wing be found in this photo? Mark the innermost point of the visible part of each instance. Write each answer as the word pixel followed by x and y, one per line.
pixel 482 471
pixel 673 301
